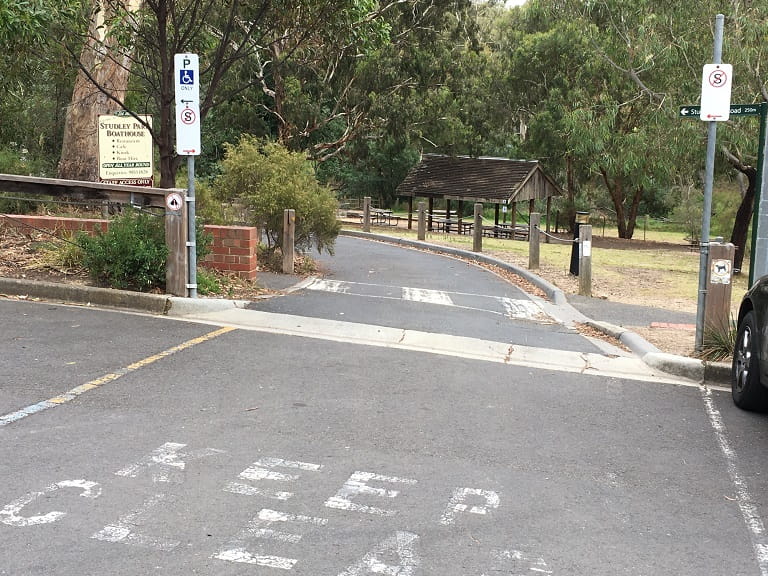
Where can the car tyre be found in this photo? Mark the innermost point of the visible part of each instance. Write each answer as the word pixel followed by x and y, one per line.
pixel 746 389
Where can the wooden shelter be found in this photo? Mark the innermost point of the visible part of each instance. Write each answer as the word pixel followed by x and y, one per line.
pixel 498 181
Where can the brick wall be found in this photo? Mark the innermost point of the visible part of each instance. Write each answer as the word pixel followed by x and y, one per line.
pixel 234 248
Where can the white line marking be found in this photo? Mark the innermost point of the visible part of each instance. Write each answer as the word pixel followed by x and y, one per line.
pixel 521 563
pixel 427 296
pixel 458 499
pixel 357 485
pixel 743 498
pixel 334 286
pixel 166 463
pixel 520 309
pixel 123 531
pixel 259 528
pixel 10 514
pixel 400 544
pixel 262 470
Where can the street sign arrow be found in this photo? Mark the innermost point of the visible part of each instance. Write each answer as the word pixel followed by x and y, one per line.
pixel 735 110
pixel 688 111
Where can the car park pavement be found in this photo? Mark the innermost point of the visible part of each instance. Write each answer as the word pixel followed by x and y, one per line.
pixel 607 317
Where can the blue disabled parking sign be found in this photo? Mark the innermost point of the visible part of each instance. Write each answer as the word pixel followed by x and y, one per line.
pixel 186 77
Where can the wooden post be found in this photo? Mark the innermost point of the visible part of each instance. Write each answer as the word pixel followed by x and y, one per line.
pixel 513 216
pixel 496 209
pixel 477 233
pixel 585 260
pixel 367 214
pixel 289 240
pixel 431 209
pixel 717 309
pixel 533 241
pixel 176 271
pixel 460 215
pixel 421 232
pixel 410 212
pixel 549 213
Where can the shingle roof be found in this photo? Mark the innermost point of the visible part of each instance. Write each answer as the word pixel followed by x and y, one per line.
pixel 493 179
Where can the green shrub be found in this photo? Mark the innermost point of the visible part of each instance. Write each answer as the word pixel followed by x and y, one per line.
pixel 268 179
pixel 207 282
pixel 131 255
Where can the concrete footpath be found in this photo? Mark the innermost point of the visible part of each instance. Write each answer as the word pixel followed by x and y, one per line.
pixel 604 316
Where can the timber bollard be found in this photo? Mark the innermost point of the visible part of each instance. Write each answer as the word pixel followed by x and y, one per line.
pixel 421 231
pixel 176 229
pixel 717 306
pixel 477 232
pixel 289 239
pixel 534 241
pixel 367 214
pixel 585 260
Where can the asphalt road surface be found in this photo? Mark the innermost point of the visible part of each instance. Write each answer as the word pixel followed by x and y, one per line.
pixel 278 441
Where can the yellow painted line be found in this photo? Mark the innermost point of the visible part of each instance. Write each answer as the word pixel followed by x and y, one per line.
pixel 111 377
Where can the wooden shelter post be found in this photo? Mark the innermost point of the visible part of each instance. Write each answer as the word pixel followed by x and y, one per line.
pixel 549 211
pixel 410 212
pixel 431 209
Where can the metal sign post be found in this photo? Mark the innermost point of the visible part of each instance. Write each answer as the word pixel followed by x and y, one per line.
pixel 187 78
pixel 716 102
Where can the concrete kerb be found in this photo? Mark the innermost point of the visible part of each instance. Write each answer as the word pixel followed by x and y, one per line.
pixel 176 307
pixel 111 298
pixel 689 368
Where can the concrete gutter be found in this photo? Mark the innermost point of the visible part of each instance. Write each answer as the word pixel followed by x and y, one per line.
pixel 689 368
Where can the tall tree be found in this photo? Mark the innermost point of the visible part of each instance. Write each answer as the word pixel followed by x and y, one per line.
pixel 102 80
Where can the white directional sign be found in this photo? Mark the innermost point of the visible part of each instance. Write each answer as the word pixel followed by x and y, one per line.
pixel 187 78
pixel 716 82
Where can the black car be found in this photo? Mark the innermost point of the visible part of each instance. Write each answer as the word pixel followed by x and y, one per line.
pixel 749 371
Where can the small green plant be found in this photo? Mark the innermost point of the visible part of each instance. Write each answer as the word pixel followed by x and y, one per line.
pixel 207 282
pixel 718 342
pixel 131 255
pixel 64 254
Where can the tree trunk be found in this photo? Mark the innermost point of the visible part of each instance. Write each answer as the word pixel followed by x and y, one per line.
pixel 743 218
pixel 633 209
pixel 616 192
pixel 570 179
pixel 100 88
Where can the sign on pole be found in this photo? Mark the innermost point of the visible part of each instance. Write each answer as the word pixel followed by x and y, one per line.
pixel 716 82
pixel 735 110
pixel 125 149
pixel 187 78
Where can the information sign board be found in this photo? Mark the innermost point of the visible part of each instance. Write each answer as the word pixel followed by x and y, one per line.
pixel 125 149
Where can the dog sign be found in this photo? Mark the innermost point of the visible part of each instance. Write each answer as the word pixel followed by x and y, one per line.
pixel 721 272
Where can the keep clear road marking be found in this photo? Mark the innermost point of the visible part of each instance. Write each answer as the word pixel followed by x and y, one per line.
pixel 111 377
pixel 625 367
pixel 516 308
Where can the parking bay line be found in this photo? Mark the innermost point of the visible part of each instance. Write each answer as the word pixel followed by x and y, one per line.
pixel 111 377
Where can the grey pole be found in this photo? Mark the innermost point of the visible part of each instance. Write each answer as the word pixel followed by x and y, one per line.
pixel 191 236
pixel 708 184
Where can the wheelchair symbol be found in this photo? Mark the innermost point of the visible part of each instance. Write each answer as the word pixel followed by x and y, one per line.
pixel 186 77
